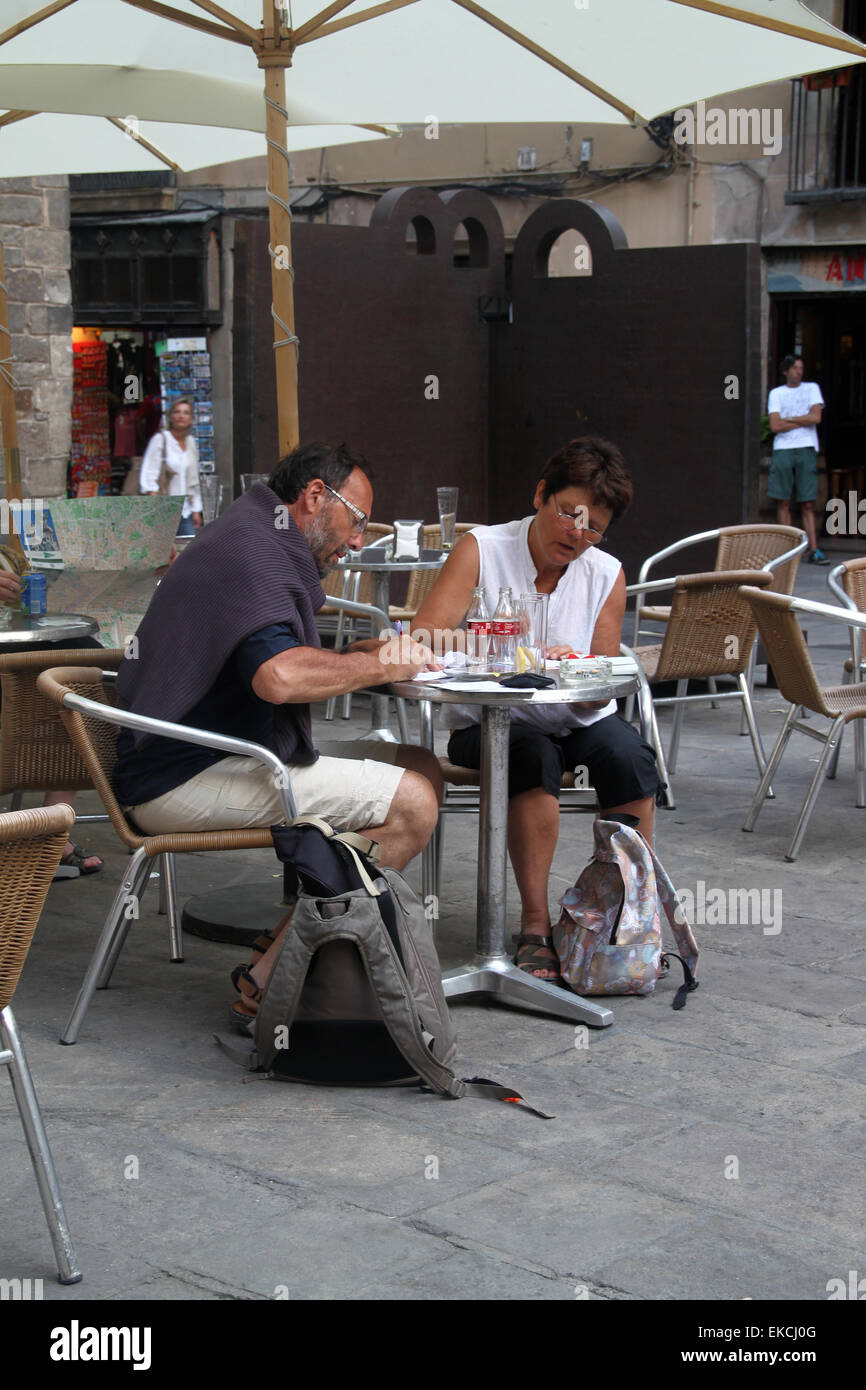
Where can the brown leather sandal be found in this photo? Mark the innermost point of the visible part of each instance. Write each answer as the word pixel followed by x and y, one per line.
pixel 526 956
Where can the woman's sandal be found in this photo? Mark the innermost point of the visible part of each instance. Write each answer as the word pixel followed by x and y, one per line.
pixel 73 865
pixel 526 957
pixel 244 1010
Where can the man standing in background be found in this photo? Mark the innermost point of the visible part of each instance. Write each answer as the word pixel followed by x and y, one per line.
pixel 795 413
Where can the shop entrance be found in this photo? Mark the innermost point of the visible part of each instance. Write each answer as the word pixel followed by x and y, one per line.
pixel 829 333
pixel 124 379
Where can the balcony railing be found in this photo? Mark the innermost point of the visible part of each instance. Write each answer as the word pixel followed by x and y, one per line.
pixel 827 141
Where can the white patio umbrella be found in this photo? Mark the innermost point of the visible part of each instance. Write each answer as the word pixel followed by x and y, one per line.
pixel 395 61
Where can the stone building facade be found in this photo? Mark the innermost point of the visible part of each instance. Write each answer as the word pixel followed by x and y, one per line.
pixel 34 229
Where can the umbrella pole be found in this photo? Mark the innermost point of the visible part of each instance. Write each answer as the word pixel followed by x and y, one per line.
pixel 8 419
pixel 275 58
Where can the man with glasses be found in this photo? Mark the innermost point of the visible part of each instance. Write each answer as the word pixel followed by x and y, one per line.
pixel 557 551
pixel 229 644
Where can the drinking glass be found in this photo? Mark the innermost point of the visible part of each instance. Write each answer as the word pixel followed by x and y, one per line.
pixel 249 480
pixel 447 499
pixel 531 633
pixel 211 496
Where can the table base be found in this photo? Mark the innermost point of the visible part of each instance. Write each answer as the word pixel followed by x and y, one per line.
pixel 498 978
pixel 237 914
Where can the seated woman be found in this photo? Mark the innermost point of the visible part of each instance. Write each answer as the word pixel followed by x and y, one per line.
pixel 584 489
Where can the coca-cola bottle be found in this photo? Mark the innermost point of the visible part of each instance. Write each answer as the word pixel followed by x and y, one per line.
pixel 504 635
pixel 478 632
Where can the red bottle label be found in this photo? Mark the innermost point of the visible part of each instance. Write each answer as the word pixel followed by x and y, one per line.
pixel 479 625
pixel 505 627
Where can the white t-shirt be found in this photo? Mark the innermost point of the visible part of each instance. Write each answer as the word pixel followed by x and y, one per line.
pixel 177 463
pixel 572 613
pixel 788 401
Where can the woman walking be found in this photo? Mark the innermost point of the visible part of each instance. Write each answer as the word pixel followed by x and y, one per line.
pixel 170 465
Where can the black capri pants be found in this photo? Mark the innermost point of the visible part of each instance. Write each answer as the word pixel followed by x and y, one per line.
pixel 620 764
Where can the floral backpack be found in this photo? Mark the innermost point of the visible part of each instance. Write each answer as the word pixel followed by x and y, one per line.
pixel 610 933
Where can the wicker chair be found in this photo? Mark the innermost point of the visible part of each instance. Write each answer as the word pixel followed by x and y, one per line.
pixel 31 843
pixel 710 632
pixel 36 754
pixel 783 639
pixel 92 726
pixel 848 583
pixel 775 548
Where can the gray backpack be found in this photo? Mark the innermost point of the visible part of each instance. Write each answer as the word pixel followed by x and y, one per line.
pixel 355 994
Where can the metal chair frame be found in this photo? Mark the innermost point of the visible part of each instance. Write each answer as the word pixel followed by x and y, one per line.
pixel 135 878
pixel 823 705
pixel 34 830
pixel 839 581
pixel 667 766
pixel 789 557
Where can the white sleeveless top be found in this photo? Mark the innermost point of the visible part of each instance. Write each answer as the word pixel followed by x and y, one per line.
pixel 572 613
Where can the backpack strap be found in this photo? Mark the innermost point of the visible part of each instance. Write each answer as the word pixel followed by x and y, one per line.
pixel 353 844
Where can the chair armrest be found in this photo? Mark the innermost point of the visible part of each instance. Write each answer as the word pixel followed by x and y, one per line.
pixel 362 610
pixel 672 550
pixel 783 559
pixel 852 617
pixel 650 586
pixel 205 739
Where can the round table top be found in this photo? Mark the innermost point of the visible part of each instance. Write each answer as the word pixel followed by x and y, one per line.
pixel 428 560
pixel 46 627
pixel 442 693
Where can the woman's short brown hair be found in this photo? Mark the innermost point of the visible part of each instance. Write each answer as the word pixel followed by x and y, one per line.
pixel 594 464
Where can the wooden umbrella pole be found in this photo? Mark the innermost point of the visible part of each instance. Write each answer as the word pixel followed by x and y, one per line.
pixel 8 419
pixel 274 57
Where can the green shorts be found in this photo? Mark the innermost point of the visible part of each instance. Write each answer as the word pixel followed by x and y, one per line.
pixel 793 470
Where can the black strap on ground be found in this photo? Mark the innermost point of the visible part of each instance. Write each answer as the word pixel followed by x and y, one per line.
pixel 480 1088
pixel 689 983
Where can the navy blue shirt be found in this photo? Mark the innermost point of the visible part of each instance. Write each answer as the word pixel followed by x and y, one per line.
pixel 230 707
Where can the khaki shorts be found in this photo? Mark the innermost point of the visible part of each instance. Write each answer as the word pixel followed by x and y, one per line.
pixel 354 791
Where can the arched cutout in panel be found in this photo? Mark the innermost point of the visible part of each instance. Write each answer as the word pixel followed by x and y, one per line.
pixel 471 245
pixel 569 255
pixel 421 237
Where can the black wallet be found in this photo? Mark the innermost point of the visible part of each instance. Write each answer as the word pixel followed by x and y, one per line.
pixel 528 681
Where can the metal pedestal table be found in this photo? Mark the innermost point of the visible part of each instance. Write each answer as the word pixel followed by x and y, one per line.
pixel 491 971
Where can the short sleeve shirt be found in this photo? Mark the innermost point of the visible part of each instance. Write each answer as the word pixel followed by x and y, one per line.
pixel 788 401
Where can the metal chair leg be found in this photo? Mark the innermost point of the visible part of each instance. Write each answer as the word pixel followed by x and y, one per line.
pixel 40 1151
pixel 833 764
pixel 650 723
pixel 15 803
pixel 679 712
pixel 130 914
pixel 402 721
pixel 750 681
pixel 859 759
pixel 770 770
pixel 713 686
pixel 168 884
pixel 110 941
pixel 754 733
pixel 812 794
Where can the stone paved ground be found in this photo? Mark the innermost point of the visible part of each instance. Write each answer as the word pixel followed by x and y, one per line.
pixel 245 1189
